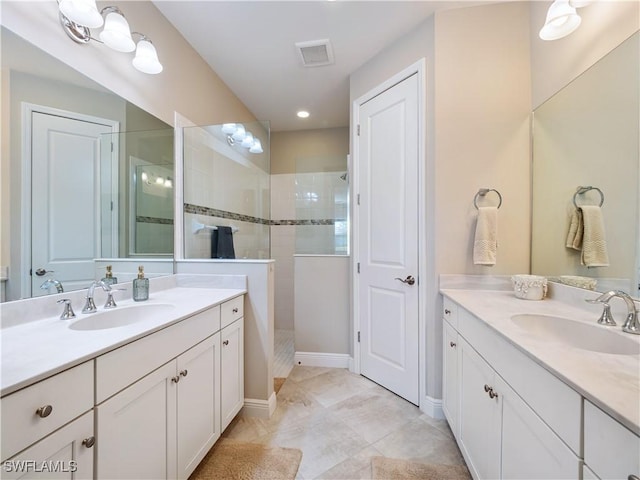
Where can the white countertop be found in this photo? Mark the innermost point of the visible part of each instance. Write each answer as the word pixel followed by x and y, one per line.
pixel 37 349
pixel 610 381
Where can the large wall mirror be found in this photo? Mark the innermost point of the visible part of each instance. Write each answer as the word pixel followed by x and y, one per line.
pixel 88 176
pixel 588 135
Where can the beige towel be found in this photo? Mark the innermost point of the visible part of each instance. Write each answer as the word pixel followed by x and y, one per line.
pixel 485 245
pixel 594 242
pixel 576 229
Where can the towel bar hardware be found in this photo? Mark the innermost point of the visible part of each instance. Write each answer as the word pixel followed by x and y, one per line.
pixel 197 227
pixel 582 190
pixel 482 192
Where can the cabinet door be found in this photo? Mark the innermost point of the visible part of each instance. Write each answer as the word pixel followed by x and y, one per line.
pixel 450 380
pixel 198 417
pixel 530 449
pixel 136 429
pixel 480 415
pixel 60 455
pixel 232 388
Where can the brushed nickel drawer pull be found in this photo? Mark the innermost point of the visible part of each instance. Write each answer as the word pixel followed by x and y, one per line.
pixel 45 411
pixel 226 342
pixel 452 344
pixel 492 394
pixel 89 442
pixel 184 372
pixel 235 310
pixel 447 311
pixel 175 379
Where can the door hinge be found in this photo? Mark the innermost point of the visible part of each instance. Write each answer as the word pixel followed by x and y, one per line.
pixel 358 265
pixel 112 205
pixel 111 147
pixel 358 130
pixel 358 336
pixel 358 199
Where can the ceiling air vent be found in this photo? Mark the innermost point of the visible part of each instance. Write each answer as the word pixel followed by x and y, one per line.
pixel 315 53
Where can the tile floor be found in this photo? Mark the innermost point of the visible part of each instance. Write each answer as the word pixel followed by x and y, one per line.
pixel 340 420
pixel 283 350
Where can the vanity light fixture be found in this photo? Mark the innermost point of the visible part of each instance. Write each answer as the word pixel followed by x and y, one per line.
pixel 237 134
pixel 562 19
pixel 303 114
pixel 79 16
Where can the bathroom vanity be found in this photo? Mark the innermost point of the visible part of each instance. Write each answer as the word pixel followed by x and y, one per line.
pixel 528 395
pixel 132 395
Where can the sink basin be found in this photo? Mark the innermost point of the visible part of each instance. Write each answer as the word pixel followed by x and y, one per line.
pixel 592 337
pixel 120 316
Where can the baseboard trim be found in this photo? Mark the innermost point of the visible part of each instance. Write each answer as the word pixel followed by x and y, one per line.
pixel 329 360
pixel 432 407
pixel 260 408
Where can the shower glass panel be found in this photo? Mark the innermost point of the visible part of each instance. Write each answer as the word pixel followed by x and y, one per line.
pixel 137 216
pixel 227 184
pixel 322 206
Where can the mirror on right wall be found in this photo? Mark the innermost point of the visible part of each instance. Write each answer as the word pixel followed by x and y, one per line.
pixel 588 135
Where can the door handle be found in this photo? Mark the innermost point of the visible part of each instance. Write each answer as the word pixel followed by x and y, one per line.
pixel 409 280
pixel 41 272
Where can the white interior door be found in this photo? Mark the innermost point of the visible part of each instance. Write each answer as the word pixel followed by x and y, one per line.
pixel 388 239
pixel 65 200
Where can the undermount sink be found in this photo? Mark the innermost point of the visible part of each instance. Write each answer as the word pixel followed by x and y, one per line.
pixel 595 338
pixel 120 316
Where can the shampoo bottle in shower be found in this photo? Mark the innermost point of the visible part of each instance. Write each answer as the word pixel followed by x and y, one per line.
pixel 141 286
pixel 109 279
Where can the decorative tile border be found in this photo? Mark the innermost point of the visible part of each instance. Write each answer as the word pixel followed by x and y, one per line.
pixel 214 212
pixel 161 221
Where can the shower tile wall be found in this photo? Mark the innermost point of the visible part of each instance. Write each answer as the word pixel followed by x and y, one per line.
pixel 224 187
pixel 308 212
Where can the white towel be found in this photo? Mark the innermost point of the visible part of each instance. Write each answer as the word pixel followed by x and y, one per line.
pixel 576 230
pixel 485 245
pixel 594 242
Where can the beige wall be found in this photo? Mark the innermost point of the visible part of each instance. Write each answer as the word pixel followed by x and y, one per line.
pixel 605 24
pixel 187 84
pixel 477 135
pixel 325 143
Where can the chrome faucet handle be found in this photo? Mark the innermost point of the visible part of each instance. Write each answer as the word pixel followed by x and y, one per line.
pixel 606 318
pixel 67 313
pixel 111 303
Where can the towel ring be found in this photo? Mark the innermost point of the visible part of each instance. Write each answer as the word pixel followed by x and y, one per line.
pixel 582 190
pixel 482 192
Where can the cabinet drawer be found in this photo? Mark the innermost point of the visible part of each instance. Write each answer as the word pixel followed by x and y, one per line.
pixel 450 311
pixel 68 394
pixel 232 311
pixel 610 449
pixel 121 367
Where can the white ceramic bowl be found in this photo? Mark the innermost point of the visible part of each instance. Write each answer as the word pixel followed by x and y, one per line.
pixel 529 287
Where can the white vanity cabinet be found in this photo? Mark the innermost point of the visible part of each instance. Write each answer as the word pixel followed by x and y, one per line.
pixel 501 432
pixel 232 371
pixel 50 413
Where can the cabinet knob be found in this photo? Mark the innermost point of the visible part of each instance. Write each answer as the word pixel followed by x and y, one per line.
pixel 452 344
pixel 492 394
pixel 184 372
pixel 235 310
pixel 447 311
pixel 226 342
pixel 175 379
pixel 633 477
pixel 487 388
pixel 45 411
pixel 89 442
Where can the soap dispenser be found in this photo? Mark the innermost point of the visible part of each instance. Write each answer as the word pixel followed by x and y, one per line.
pixel 140 286
pixel 109 279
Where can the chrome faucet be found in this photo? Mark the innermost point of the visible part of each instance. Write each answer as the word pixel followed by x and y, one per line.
pixel 631 324
pixel 52 282
pixel 90 306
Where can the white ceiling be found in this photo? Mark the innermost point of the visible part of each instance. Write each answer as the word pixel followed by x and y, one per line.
pixel 250 45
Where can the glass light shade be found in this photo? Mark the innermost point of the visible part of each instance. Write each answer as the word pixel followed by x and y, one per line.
pixel 240 132
pixel 160 181
pixel 82 12
pixel 248 140
pixel 146 59
pixel 562 19
pixel 256 147
pixel 116 33
pixel 228 128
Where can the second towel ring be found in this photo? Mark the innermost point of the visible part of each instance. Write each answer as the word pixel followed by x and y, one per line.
pixel 482 192
pixel 581 190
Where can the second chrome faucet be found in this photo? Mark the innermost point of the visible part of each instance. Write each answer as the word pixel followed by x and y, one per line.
pixel 631 324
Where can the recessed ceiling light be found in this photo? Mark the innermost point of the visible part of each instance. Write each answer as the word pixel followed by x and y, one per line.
pixel 303 114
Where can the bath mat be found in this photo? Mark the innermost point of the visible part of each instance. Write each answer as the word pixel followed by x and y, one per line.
pixel 383 468
pixel 248 461
pixel 277 383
